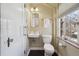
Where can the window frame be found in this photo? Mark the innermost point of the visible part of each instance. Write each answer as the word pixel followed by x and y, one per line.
pixel 68 39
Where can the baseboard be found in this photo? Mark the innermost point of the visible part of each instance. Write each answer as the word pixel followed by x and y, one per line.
pixel 58 53
pixel 36 48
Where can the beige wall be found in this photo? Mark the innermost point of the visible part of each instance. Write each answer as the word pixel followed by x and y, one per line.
pixel 55 15
pixel 44 12
pixel 68 50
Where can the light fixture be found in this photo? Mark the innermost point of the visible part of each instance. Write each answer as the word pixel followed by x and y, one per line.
pixel 34 9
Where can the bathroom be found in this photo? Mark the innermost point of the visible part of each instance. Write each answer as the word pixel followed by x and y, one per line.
pixel 39 29
pixel 39 24
pixel 25 26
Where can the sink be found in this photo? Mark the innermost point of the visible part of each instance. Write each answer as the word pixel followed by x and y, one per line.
pixel 34 35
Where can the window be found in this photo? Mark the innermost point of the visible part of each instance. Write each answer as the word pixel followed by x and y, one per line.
pixel 69 26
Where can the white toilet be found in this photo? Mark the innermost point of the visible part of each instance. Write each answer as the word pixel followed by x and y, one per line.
pixel 49 49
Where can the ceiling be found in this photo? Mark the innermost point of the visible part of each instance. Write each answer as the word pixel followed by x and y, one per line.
pixel 52 4
pixel 49 5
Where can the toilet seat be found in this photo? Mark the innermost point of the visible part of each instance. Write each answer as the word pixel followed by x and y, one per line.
pixel 48 47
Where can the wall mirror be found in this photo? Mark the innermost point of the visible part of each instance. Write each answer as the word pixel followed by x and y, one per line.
pixel 34 17
pixel 35 20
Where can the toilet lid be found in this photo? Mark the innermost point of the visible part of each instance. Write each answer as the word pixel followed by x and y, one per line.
pixel 48 47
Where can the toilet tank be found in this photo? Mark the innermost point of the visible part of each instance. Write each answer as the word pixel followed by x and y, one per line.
pixel 47 39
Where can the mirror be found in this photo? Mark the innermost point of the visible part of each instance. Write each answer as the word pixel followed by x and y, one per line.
pixel 35 20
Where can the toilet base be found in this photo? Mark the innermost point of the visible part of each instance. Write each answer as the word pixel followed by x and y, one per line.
pixel 47 54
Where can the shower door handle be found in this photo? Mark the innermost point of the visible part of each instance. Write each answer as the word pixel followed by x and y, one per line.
pixel 8 41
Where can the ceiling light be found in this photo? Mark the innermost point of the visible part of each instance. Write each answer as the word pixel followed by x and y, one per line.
pixel 34 9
